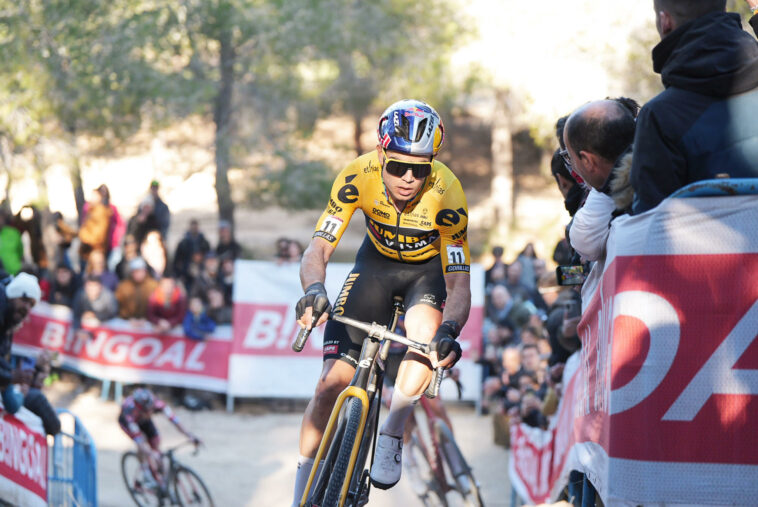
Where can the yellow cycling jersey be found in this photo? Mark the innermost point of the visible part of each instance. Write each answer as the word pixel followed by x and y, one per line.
pixel 434 222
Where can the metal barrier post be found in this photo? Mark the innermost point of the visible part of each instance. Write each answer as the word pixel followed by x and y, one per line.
pixel 72 465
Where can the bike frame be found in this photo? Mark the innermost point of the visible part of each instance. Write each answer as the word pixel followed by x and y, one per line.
pixel 366 383
pixel 433 454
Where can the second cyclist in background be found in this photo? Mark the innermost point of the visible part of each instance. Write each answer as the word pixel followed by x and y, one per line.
pixel 135 419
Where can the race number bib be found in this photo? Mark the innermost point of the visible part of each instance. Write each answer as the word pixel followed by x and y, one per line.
pixel 329 229
pixel 331 225
pixel 455 255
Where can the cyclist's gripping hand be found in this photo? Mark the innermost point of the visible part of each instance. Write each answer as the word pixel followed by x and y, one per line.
pixel 313 305
pixel 445 351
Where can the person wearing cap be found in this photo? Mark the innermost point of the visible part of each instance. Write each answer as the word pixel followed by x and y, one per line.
pixel 133 293
pixel 160 209
pixel 16 301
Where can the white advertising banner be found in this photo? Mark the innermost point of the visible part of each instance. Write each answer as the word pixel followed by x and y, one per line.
pixel 263 363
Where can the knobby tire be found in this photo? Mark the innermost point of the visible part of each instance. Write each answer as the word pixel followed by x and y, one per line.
pixel 318 489
pixel 337 478
pixel 363 451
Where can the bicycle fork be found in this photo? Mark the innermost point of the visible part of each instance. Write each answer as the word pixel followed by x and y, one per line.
pixel 331 426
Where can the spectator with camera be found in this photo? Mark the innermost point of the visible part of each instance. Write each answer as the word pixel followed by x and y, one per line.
pixel 598 138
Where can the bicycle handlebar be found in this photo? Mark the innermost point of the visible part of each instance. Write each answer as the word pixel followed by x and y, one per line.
pixel 380 332
pixel 302 337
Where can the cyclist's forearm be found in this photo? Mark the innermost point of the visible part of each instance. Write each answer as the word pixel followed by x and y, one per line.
pixel 458 301
pixel 313 264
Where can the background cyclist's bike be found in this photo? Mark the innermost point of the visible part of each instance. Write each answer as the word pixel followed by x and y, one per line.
pixel 180 485
pixel 434 462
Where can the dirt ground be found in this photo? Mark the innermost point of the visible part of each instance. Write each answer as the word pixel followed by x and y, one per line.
pixel 249 456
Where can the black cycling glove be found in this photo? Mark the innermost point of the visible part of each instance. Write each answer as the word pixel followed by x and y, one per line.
pixel 316 298
pixel 444 341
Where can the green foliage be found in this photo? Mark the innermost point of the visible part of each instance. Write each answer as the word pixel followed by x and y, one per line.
pixel 299 185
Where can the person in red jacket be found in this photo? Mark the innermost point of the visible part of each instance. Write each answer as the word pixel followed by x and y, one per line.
pixel 167 305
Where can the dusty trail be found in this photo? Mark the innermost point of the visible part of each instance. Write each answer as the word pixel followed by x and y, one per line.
pixel 249 458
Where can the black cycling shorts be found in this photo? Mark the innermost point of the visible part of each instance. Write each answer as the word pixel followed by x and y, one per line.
pixel 146 427
pixel 368 294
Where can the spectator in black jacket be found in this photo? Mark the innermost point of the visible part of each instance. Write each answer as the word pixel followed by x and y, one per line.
pixel 227 246
pixel 191 244
pixel 704 123
pixel 160 210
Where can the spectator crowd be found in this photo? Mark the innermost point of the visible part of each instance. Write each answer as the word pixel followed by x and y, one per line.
pixel 123 269
pixel 615 158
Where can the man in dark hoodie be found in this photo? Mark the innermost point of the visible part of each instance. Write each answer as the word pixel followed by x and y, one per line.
pixel 704 123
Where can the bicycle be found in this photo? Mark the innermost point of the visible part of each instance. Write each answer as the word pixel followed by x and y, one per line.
pixel 182 485
pixel 433 460
pixel 352 427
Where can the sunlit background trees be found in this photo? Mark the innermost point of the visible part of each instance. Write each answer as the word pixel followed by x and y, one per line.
pixel 241 104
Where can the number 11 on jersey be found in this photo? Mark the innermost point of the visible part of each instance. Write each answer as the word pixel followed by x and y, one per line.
pixel 455 255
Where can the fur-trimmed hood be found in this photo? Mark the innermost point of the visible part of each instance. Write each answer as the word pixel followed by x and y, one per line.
pixel 621 185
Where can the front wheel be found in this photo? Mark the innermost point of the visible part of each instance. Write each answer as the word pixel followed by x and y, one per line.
pixel 189 488
pixel 143 490
pixel 337 479
pixel 462 473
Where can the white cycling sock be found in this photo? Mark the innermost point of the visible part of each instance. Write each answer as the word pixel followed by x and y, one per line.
pixel 304 467
pixel 401 407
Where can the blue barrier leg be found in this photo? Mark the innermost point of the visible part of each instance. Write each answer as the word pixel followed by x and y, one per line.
pixel 588 494
pixel 105 390
pixel 118 391
pixel 575 486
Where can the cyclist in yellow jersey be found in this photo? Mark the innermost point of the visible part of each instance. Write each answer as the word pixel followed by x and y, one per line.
pixel 415 247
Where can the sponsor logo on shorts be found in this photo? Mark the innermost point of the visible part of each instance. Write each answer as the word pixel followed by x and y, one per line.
pixel 331 349
pixel 429 299
pixel 342 298
pixel 457 268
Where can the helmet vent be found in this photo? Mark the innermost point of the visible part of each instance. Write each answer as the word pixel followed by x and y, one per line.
pixel 402 129
pixel 420 130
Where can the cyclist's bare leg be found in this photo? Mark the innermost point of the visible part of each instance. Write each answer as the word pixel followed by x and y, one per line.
pixel 414 374
pixel 335 376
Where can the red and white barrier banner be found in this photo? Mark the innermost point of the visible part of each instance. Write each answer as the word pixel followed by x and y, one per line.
pixel 538 464
pixel 118 351
pixel 665 401
pixel 262 361
pixel 23 459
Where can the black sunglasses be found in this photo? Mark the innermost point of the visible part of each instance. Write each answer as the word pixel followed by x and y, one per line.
pixel 398 168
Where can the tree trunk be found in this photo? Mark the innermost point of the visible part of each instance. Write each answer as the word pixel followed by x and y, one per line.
pixel 501 194
pixel 75 172
pixel 6 157
pixel 222 118
pixel 357 132
pixel 43 199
